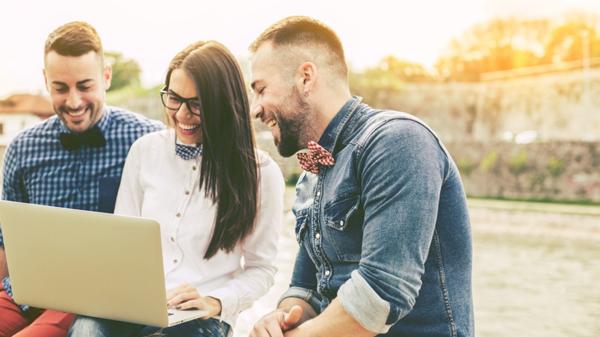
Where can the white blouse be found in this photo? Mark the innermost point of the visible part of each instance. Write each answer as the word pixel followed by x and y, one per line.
pixel 159 185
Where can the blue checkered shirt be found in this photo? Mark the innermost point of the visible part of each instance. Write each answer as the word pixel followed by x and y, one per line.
pixel 38 170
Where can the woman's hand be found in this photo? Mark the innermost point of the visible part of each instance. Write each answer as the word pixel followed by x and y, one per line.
pixel 187 297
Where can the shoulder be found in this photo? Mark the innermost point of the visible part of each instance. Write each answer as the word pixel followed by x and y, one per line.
pixel 269 170
pixel 49 128
pixel 122 118
pixel 392 129
pixel 152 140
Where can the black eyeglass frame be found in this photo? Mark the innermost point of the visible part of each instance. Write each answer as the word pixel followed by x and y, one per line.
pixel 189 102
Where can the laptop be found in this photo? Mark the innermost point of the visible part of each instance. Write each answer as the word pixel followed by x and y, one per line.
pixel 88 263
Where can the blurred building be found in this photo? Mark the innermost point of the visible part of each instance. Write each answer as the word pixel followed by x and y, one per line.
pixel 18 112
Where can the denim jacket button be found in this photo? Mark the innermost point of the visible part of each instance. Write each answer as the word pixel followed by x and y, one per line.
pixel 341 223
pixel 318 193
pixel 317 236
pixel 327 272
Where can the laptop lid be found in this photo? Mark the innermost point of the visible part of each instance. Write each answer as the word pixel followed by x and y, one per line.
pixel 89 263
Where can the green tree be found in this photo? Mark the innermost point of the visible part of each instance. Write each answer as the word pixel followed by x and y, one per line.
pixel 125 72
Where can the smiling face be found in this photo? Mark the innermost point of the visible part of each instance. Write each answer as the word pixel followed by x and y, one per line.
pixel 187 123
pixel 77 86
pixel 278 102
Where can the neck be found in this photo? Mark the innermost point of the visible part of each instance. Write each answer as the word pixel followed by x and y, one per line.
pixel 329 104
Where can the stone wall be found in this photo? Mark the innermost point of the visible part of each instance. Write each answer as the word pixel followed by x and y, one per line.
pixel 562 107
pixel 567 171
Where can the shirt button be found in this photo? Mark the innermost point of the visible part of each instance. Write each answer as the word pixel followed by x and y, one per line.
pixel 327 272
pixel 194 168
pixel 175 261
pixel 172 239
pixel 187 192
pixel 178 215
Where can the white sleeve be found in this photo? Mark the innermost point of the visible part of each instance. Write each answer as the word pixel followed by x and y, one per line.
pixel 130 196
pixel 259 249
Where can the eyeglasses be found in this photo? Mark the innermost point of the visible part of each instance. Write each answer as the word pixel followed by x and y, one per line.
pixel 173 102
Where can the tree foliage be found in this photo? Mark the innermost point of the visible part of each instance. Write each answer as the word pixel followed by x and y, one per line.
pixel 511 43
pixel 125 72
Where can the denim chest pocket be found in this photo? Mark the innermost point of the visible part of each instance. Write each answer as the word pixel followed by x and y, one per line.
pixel 343 219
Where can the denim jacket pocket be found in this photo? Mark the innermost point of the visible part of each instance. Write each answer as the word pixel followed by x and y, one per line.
pixel 343 228
pixel 301 223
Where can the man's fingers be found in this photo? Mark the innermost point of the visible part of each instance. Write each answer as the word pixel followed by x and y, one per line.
pixel 268 326
pixel 274 329
pixel 292 317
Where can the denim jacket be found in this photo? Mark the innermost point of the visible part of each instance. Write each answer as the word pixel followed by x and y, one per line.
pixel 386 229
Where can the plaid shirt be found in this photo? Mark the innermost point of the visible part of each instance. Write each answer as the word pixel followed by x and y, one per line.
pixel 38 170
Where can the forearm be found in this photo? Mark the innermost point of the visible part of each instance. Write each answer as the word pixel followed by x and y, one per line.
pixel 239 293
pixel 332 322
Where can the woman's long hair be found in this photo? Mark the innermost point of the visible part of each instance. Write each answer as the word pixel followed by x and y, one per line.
pixel 229 169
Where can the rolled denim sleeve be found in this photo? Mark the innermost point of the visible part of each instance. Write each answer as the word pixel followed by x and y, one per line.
pixel 402 168
pixel 304 281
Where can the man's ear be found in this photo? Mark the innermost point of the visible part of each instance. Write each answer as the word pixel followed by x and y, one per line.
pixel 107 76
pixel 307 76
pixel 45 79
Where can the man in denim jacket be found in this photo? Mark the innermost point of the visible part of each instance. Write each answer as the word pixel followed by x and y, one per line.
pixel 381 215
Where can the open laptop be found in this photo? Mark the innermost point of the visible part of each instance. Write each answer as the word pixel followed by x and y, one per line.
pixel 88 263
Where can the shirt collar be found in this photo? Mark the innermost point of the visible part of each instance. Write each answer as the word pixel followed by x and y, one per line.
pixel 332 133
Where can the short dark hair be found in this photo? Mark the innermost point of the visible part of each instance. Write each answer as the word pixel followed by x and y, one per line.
pixel 229 169
pixel 74 39
pixel 303 30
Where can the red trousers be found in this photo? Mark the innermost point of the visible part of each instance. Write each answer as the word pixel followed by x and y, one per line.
pixel 34 323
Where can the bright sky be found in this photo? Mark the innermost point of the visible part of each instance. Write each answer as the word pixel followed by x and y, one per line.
pixel 151 32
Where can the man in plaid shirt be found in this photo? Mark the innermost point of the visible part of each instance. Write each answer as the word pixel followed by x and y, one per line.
pixel 73 159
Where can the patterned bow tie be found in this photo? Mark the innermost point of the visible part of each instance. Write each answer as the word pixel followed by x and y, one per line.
pixel 316 155
pixel 188 152
pixel 91 137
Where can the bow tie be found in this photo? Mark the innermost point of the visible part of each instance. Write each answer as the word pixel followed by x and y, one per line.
pixel 316 155
pixel 188 152
pixel 91 137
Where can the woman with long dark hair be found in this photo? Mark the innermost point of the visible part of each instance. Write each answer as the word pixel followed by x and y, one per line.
pixel 218 200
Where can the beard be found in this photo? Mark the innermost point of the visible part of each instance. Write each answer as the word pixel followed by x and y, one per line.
pixel 91 109
pixel 292 129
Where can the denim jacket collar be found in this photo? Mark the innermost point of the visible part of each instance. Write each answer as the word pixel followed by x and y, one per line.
pixel 332 134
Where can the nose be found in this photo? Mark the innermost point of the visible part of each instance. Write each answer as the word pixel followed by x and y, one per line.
pixel 183 112
pixel 73 100
pixel 256 110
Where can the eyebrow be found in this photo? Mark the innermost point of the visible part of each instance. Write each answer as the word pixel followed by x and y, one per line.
pixel 179 96
pixel 86 81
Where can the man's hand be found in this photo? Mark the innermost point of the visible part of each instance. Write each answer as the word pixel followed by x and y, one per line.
pixel 275 323
pixel 187 297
